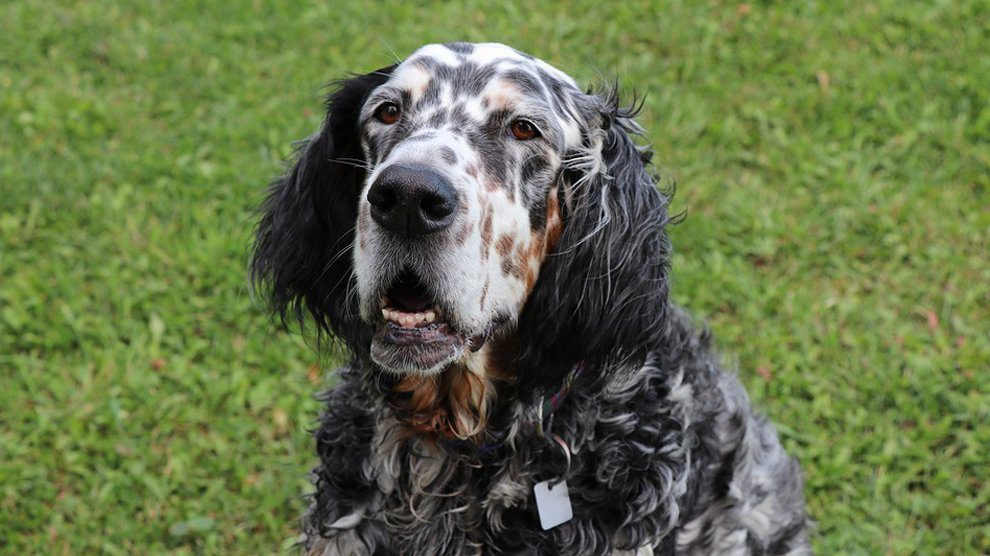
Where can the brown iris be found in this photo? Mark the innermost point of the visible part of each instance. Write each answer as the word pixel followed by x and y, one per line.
pixel 388 113
pixel 523 130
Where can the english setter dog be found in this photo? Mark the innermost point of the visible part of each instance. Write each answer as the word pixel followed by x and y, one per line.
pixel 489 244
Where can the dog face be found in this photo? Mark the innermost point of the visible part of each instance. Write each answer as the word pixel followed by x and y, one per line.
pixel 470 193
pixel 466 146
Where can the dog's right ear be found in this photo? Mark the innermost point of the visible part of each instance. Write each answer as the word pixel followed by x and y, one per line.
pixel 301 259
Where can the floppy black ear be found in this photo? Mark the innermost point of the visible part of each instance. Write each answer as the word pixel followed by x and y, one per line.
pixel 302 250
pixel 602 293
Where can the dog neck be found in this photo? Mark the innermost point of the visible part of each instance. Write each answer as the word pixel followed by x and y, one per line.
pixel 457 403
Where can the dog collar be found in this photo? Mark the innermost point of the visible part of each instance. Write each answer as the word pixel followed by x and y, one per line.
pixel 553 402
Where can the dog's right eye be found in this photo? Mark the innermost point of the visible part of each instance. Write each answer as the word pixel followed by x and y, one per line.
pixel 388 113
pixel 524 130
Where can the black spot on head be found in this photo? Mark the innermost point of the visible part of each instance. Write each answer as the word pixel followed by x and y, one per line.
pixel 438 118
pixel 533 166
pixel 459 119
pixel 526 82
pixel 488 140
pixel 440 74
pixel 431 95
pixel 428 64
pixel 558 91
pixel 460 47
pixel 470 79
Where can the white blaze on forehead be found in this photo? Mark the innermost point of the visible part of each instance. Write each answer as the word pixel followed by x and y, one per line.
pixel 475 109
pixel 487 52
pixel 411 78
pixel 438 52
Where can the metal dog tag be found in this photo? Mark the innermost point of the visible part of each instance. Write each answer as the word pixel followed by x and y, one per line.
pixel 553 504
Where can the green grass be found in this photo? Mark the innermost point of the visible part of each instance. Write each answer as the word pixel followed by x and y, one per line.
pixel 833 159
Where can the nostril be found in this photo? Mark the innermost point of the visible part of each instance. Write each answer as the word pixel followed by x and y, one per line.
pixel 436 207
pixel 383 198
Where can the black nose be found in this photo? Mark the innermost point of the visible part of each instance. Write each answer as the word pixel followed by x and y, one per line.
pixel 412 201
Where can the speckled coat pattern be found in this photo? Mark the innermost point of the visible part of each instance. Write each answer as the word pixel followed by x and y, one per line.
pixel 557 259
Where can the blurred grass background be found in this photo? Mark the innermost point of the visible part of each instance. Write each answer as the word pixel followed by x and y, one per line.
pixel 833 159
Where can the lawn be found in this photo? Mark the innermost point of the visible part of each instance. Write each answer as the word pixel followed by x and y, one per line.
pixel 833 160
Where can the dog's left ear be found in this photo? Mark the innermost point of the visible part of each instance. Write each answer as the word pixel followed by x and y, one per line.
pixel 602 293
pixel 302 245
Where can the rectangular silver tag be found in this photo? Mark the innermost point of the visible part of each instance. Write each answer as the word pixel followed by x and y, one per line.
pixel 553 504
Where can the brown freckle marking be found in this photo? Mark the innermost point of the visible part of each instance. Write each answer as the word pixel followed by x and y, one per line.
pixel 486 229
pixel 504 245
pixel 506 264
pixel 464 233
pixel 520 262
pixel 534 258
pixel 472 170
pixel 530 279
pixel 542 242
pixel 554 226
pixel 513 262
pixel 484 292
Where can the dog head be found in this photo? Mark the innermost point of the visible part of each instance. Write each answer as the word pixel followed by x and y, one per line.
pixel 468 193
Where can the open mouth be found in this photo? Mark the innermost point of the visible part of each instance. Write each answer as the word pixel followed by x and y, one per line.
pixel 408 304
pixel 414 337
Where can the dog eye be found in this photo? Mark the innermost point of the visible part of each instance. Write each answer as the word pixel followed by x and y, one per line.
pixel 388 113
pixel 524 130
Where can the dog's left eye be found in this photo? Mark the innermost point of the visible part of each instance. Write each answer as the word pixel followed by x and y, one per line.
pixel 388 113
pixel 524 130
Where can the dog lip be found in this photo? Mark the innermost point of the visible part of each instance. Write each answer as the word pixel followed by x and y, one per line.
pixel 421 349
pixel 438 332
